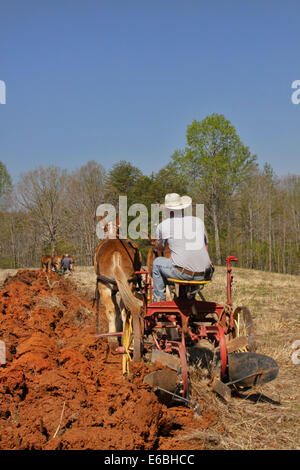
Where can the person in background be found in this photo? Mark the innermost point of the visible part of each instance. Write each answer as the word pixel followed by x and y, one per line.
pixel 66 263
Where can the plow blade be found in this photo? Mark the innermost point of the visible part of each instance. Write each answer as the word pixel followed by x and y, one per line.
pixel 236 344
pixel 166 359
pixel 221 389
pixel 165 379
pixel 249 369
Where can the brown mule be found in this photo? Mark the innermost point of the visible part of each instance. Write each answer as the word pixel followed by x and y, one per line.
pixel 56 263
pixel 46 263
pixel 154 252
pixel 116 261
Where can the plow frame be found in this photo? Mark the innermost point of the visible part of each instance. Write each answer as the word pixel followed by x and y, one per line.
pixel 191 321
pixel 169 330
pixel 180 314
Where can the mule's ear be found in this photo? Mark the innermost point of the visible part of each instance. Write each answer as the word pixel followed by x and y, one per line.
pixel 103 223
pixel 100 219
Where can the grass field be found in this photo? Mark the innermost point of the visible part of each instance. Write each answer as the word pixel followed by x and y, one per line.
pixel 269 416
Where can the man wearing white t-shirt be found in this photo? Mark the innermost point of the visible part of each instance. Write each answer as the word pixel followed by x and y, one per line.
pixel 187 240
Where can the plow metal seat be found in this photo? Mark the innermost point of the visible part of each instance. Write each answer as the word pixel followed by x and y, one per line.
pixel 186 289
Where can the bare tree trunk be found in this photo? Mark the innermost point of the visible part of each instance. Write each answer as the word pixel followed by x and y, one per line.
pixel 216 230
pixel 284 245
pixel 270 239
pixel 251 236
pixel 13 245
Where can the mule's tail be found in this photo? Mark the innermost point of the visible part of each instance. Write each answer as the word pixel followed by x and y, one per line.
pixel 130 301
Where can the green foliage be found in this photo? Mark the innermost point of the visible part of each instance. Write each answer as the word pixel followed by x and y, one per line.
pixel 7 262
pixel 169 180
pixel 214 157
pixel 64 246
pixel 122 180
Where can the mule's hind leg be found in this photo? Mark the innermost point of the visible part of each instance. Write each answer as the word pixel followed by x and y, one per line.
pixel 110 312
pixel 120 312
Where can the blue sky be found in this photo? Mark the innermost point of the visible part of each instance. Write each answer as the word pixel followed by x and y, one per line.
pixel 122 79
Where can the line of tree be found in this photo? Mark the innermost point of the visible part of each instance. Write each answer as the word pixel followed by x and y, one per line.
pixel 249 212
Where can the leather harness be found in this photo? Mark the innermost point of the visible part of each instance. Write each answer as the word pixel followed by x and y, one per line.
pixel 111 283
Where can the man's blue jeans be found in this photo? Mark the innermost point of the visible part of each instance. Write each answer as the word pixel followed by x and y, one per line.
pixel 162 270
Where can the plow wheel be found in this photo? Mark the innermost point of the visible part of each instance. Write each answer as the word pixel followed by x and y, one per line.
pixel 243 326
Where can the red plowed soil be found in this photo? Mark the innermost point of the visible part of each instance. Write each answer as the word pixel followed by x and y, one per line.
pixel 60 389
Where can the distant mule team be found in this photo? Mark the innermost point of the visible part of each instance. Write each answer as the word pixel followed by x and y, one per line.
pixel 57 263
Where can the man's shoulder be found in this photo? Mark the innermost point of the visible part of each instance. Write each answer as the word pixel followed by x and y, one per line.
pixel 192 219
pixel 164 228
pixel 164 222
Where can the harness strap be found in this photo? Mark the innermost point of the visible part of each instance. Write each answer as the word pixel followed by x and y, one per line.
pixel 107 280
pixel 97 298
pixel 111 282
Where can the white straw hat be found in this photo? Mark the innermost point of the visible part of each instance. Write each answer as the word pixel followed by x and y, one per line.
pixel 175 202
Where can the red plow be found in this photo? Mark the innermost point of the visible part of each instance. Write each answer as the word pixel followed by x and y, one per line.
pixel 176 333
